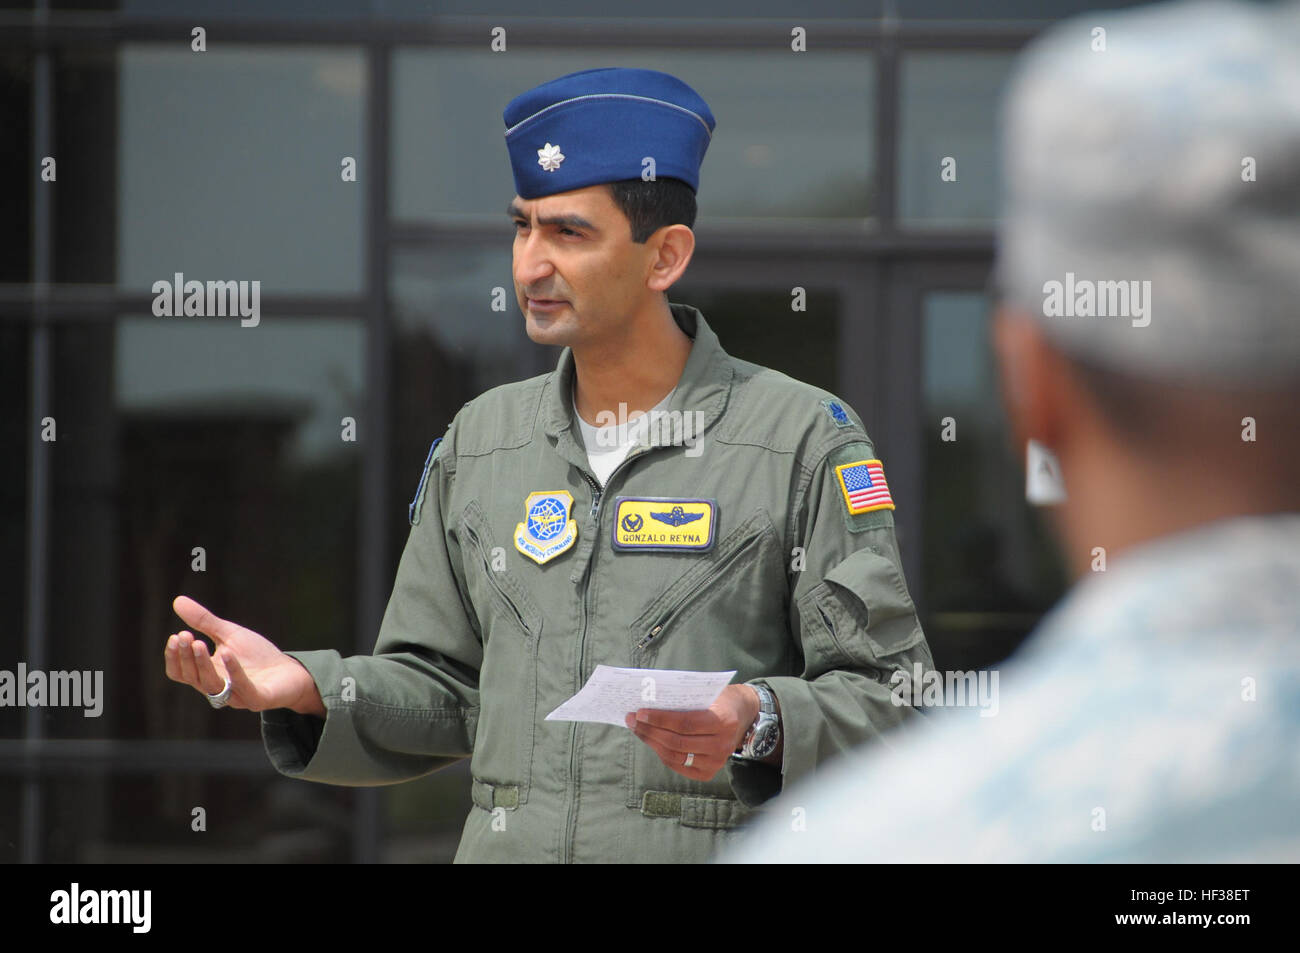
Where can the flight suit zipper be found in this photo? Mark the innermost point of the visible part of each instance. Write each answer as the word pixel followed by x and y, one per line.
pixel 598 495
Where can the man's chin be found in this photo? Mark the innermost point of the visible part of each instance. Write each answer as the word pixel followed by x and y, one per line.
pixel 547 328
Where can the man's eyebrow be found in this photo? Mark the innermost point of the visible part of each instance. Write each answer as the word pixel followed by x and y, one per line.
pixel 572 221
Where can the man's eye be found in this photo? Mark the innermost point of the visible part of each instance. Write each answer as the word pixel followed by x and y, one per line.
pixel 563 231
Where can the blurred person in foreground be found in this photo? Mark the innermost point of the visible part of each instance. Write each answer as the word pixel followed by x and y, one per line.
pixel 1154 715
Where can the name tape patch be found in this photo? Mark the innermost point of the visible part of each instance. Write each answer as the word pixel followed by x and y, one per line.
pixel 664 522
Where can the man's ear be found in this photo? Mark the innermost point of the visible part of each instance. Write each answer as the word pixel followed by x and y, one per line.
pixel 674 245
pixel 1033 379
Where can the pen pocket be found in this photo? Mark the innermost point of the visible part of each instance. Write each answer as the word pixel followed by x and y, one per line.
pixel 865 608
pixel 506 599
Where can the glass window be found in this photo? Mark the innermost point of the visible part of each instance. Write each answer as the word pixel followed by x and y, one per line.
pixel 990 570
pixel 85 203
pixel 759 326
pixel 231 166
pixel 949 110
pixel 307 373
pixel 449 345
pixel 460 304
pixel 793 136
pixel 11 813
pixel 16 166
pixel 177 433
pixel 18 427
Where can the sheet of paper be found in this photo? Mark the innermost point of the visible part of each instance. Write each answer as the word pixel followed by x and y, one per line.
pixel 612 692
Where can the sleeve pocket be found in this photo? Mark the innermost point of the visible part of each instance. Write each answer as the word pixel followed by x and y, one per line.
pixel 865 604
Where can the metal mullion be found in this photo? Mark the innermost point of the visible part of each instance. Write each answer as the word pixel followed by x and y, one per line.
pixel 63 305
pixel 72 757
pixel 38 485
pixel 372 586
pixel 98 30
pixel 1009 37
pixel 886 139
pixel 278 306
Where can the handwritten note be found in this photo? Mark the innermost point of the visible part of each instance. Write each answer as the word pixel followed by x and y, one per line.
pixel 610 693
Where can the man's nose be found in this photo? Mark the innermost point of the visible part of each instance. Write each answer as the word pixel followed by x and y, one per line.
pixel 532 263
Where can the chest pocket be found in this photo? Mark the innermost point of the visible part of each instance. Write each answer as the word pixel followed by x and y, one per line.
pixel 722 611
pixel 511 626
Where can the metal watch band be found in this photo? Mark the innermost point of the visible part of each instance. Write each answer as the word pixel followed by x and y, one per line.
pixel 765 725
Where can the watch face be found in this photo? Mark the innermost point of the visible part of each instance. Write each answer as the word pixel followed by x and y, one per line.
pixel 765 739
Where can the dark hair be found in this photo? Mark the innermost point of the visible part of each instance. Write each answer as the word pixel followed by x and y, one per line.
pixel 649 206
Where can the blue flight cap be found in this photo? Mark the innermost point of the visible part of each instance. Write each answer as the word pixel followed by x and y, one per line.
pixel 599 125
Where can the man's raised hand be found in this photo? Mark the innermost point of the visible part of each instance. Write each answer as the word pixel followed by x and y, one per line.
pixel 261 676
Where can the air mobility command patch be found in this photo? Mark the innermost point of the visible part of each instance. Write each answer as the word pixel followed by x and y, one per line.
pixel 861 487
pixel 413 508
pixel 547 529
pixel 664 523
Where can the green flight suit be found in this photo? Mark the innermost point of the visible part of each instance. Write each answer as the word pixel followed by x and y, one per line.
pixel 480 641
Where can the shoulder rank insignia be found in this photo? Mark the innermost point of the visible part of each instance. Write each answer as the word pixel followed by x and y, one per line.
pixel 657 523
pixel 547 529
pixel 413 508
pixel 837 413
pixel 863 484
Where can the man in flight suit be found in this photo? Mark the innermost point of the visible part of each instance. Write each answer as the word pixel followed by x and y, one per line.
pixel 744 523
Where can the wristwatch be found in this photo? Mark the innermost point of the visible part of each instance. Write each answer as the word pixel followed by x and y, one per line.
pixel 760 741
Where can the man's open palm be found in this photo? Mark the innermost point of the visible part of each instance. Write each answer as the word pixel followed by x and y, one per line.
pixel 261 676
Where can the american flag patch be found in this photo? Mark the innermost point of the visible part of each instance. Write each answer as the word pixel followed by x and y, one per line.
pixel 864 487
